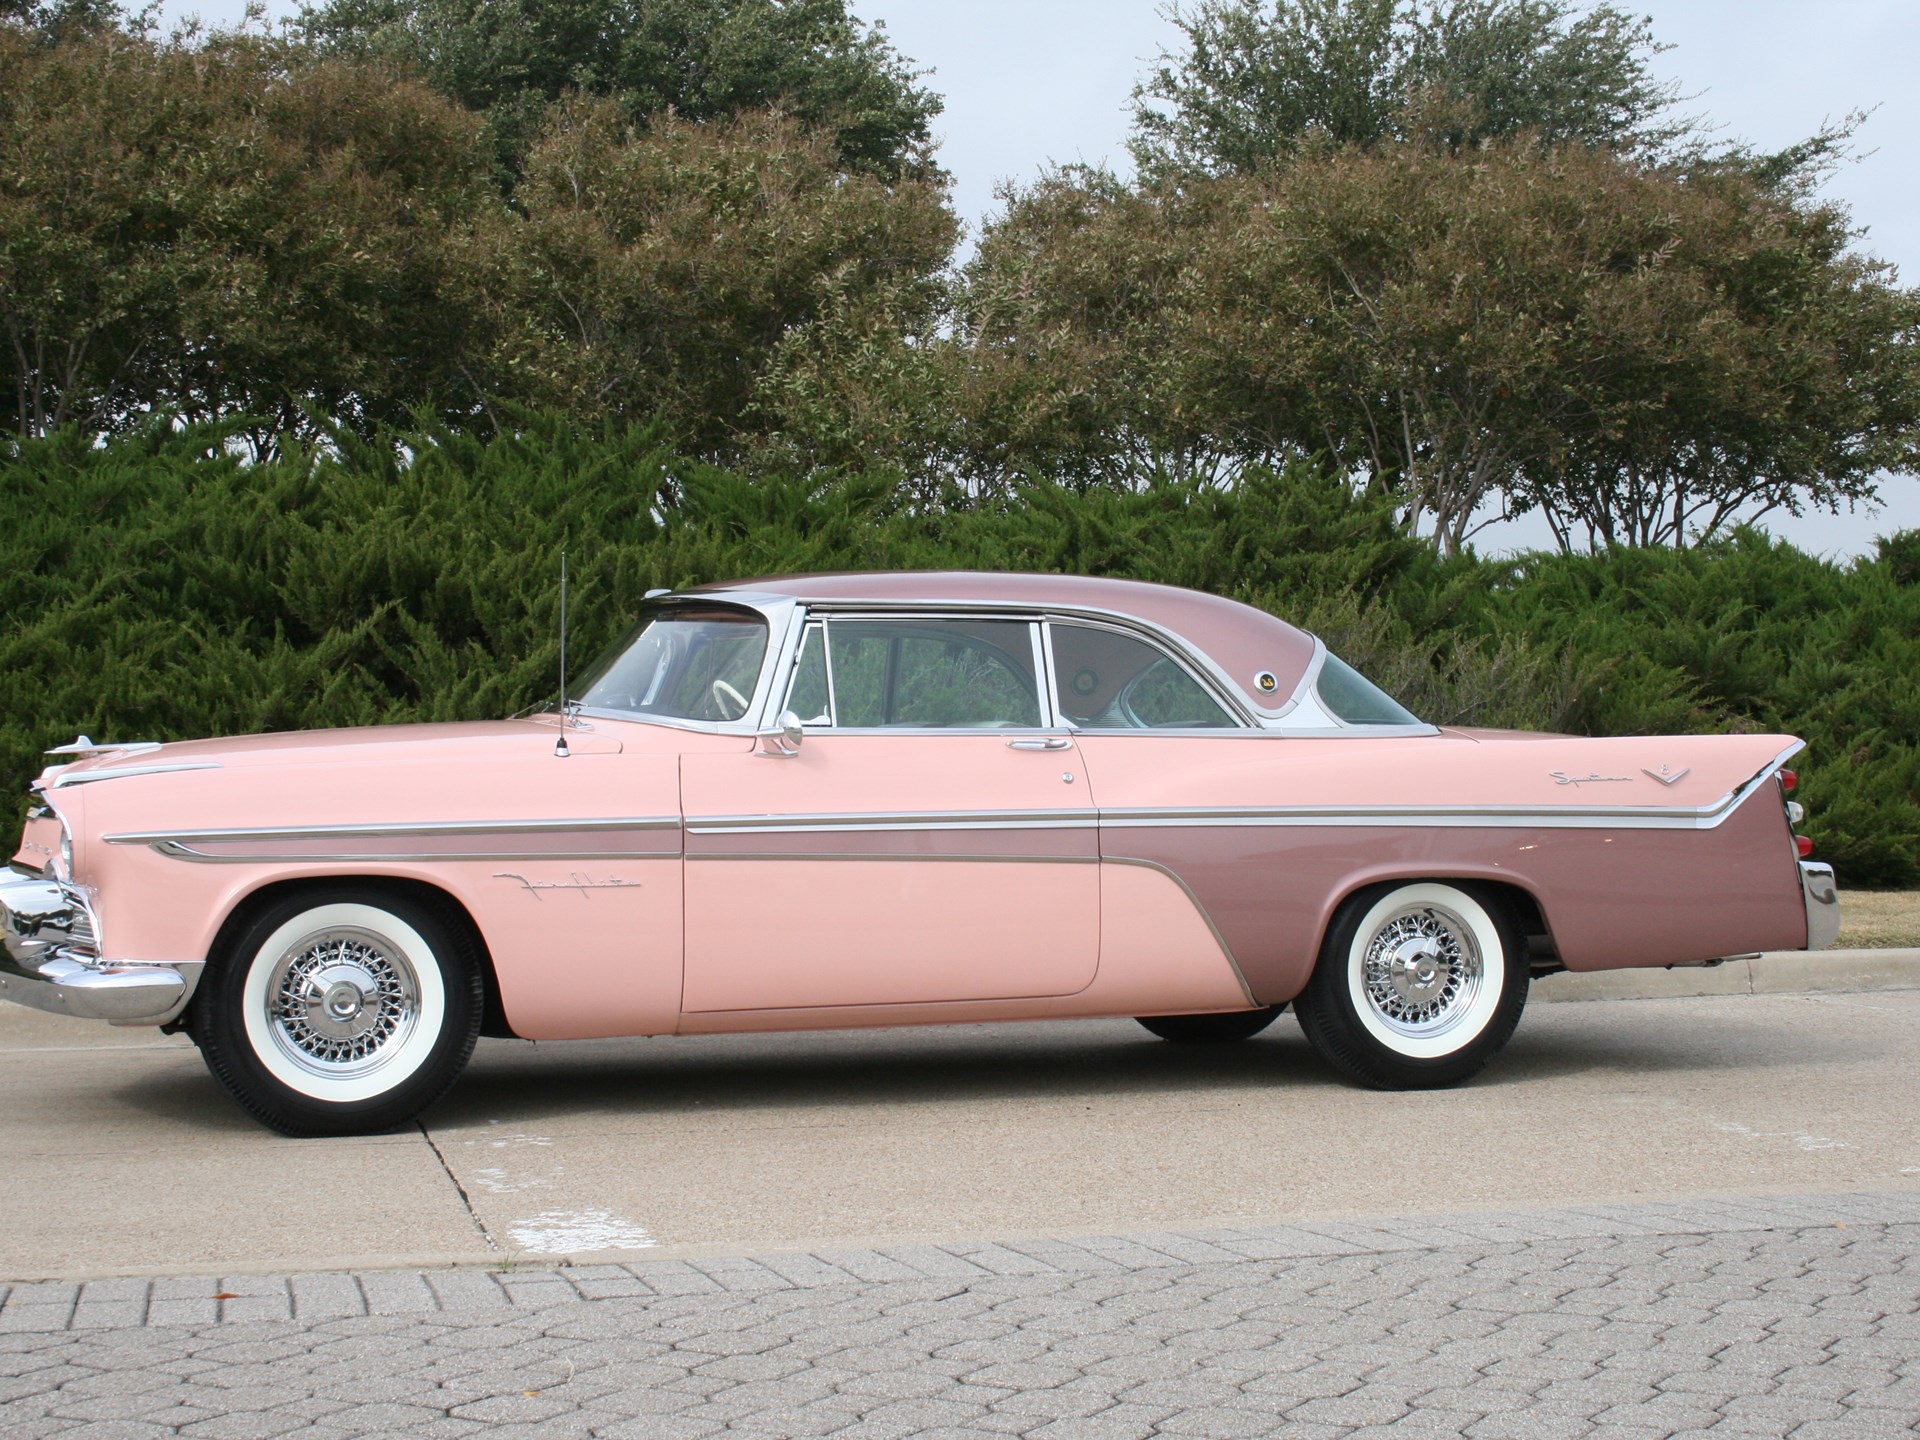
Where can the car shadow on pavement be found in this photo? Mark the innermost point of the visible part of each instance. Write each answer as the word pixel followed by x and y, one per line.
pixel 520 1081
pixel 513 1080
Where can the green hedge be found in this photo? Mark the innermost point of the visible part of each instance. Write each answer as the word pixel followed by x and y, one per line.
pixel 156 588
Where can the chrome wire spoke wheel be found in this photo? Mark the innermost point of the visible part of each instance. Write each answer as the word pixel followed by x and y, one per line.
pixel 342 1002
pixel 1422 971
pixel 1418 984
pixel 1425 970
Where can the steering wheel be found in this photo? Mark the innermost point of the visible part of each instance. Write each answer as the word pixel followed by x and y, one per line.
pixel 723 692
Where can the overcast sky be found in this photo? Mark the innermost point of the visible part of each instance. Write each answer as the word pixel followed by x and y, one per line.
pixel 1033 82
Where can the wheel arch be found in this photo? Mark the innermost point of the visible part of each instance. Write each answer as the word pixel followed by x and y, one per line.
pixel 1519 901
pixel 493 1018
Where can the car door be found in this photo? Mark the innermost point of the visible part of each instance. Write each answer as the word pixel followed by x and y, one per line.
pixel 931 839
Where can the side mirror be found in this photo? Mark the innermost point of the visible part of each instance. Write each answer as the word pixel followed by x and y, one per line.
pixel 783 741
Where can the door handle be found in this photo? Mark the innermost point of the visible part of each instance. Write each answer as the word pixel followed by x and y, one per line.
pixel 1049 742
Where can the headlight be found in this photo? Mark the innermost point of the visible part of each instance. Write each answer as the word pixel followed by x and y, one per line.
pixel 64 870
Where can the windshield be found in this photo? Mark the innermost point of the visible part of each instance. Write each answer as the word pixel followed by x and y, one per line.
pixel 682 662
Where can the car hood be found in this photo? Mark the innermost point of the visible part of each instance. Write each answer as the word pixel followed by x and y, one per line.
pixel 473 741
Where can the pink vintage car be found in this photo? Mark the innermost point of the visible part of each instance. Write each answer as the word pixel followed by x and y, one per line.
pixel 890 800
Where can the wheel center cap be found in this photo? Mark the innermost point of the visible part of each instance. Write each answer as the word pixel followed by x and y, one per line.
pixel 341 1001
pixel 344 1001
pixel 1417 970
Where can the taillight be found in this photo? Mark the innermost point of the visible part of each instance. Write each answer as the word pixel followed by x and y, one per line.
pixel 1796 812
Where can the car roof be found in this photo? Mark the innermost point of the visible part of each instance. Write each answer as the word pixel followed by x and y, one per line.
pixel 1241 641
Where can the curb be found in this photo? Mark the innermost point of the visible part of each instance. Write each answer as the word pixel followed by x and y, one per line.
pixel 469 1294
pixel 1784 972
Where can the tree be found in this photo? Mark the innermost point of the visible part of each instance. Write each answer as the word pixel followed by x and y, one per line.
pixel 1641 350
pixel 203 230
pixel 1257 79
pixel 1754 364
pixel 700 59
pixel 664 270
pixel 1085 339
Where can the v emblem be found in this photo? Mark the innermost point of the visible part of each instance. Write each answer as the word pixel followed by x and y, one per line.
pixel 1666 778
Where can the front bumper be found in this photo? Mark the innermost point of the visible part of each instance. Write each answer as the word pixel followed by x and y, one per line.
pixel 50 960
pixel 1823 904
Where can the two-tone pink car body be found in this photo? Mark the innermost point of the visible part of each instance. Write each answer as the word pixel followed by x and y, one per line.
pixel 890 800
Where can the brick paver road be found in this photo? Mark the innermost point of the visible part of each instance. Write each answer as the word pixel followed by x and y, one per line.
pixel 1786 1316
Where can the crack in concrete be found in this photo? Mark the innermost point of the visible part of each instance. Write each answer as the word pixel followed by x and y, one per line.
pixel 466 1200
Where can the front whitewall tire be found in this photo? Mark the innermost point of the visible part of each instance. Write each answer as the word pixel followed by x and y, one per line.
pixel 343 1009
pixel 388 953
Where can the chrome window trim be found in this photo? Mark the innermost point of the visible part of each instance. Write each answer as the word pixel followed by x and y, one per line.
pixel 786 625
pixel 1302 691
pixel 1049 716
pixel 826 659
pixel 1054 717
pixel 827 733
pixel 698 727
pixel 1333 730
pixel 824 617
pixel 1151 636
pixel 776 612
pixel 1306 716
pixel 1221 682
pixel 808 623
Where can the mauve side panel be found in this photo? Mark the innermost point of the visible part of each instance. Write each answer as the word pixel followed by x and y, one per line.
pixel 1612 898
pixel 1635 899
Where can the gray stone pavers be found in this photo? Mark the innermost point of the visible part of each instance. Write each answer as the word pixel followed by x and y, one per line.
pixel 1793 1316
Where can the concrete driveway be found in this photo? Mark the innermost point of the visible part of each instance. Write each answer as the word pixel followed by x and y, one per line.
pixel 124 1158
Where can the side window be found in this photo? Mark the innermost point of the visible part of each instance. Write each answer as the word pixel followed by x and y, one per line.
pixel 1110 681
pixel 1348 695
pixel 810 698
pixel 922 674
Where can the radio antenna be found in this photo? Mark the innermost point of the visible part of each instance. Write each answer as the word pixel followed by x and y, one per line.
pixel 560 745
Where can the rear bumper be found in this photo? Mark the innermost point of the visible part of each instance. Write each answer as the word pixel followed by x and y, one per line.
pixel 50 960
pixel 1823 904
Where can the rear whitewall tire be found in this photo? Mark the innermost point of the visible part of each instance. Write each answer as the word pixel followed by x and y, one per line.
pixel 1418 985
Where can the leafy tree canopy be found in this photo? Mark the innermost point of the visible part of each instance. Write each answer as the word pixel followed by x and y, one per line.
pixel 1644 352
pixel 1257 77
pixel 702 59
pixel 662 271
pixel 204 232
